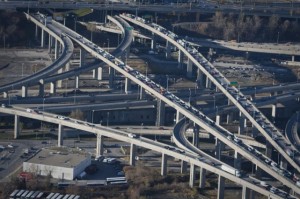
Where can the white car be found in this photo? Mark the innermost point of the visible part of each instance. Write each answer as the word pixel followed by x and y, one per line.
pixel 62 117
pixel 131 135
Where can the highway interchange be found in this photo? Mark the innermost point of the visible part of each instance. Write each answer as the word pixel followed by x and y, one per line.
pixel 190 155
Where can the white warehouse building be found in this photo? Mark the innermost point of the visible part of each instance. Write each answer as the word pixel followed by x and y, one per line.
pixel 60 165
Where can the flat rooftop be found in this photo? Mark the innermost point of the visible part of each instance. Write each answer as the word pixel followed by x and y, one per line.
pixel 58 158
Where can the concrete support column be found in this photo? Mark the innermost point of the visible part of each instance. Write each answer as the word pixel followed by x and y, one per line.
pixel 100 73
pixel 77 82
pixel 99 147
pixel 293 58
pixel 53 87
pixel 196 135
pixel 42 39
pixel 246 193
pixel 189 68
pixel 202 178
pixel 127 85
pixel 242 124
pixel 56 49
pixel 218 148
pixel 269 150
pixel 180 58
pixel 132 154
pixel 208 83
pixel 81 64
pixel 5 94
pixel 60 137
pixel 41 88
pixel 192 175
pixel 200 78
pixel 24 91
pixel 274 111
pixel 160 113
pixel 49 44
pixel 164 162
pixel 17 127
pixel 67 67
pixel 153 42
pixel 183 167
pixel 168 50
pixel 221 186
pixel 36 31
pixel 95 73
pixel 82 57
pixel 59 82
pixel 142 93
pixel 229 117
pixel 111 77
pixel 218 119
pixel 178 116
pixel 237 160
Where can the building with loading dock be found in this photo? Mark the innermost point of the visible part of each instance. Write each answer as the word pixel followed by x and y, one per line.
pixel 60 165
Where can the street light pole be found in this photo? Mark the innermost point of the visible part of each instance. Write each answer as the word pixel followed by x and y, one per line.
pixel 167 82
pixel 107 119
pixel 107 45
pixel 273 78
pixel 190 96
pixel 22 69
pixel 146 69
pixel 214 101
pixel 93 116
pixel 43 104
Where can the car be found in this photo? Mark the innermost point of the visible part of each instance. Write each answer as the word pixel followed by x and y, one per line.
pixel 131 135
pixel 62 117
pixel 169 147
pixel 3 105
pixel 89 124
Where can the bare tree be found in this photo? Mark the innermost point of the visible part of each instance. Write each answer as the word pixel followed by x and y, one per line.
pixel 77 114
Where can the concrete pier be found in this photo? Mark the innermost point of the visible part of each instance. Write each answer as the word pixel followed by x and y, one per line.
pixel 164 166
pixel 132 154
pixel 60 139
pixel 17 127
pixel 99 147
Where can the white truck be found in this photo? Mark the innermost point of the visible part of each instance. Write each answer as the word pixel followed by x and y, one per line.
pixel 231 170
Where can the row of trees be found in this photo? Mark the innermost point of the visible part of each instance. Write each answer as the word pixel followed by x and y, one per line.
pixel 13 28
pixel 250 28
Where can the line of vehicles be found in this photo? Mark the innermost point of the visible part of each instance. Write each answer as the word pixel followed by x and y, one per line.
pixel 155 86
pixel 225 83
pixel 158 88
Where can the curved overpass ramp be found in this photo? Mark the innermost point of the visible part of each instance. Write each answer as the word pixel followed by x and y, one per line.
pixel 145 143
pixel 187 110
pixel 121 49
pixel 245 106
pixel 291 130
pixel 54 67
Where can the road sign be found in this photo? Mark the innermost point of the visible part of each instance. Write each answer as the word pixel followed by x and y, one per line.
pixel 233 83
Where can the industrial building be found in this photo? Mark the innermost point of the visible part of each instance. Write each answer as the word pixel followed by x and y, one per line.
pixel 60 165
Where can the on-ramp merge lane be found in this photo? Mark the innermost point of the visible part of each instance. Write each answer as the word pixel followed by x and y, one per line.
pixel 246 107
pixel 178 104
pixel 147 143
pixel 55 66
